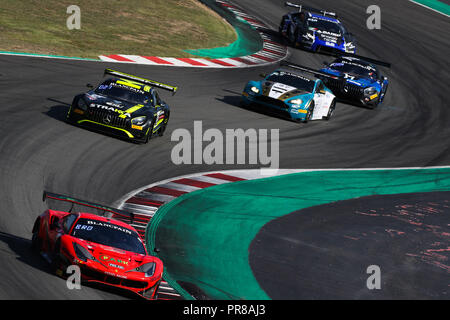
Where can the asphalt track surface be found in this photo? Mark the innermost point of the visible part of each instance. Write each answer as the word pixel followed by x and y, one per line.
pixel 40 151
pixel 398 233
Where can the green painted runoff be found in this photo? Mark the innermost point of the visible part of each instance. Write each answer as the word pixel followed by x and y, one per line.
pixel 204 236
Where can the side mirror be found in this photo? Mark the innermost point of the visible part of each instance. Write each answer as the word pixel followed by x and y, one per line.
pixel 325 63
pixel 263 75
pixel 90 86
pixel 54 222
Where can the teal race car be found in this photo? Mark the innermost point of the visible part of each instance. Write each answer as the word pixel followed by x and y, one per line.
pixel 288 90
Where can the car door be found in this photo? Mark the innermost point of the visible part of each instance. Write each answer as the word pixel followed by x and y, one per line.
pixel 320 101
pixel 60 226
pixel 160 111
pixel 53 232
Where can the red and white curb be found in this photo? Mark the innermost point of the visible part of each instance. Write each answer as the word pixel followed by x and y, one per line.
pixel 145 201
pixel 272 50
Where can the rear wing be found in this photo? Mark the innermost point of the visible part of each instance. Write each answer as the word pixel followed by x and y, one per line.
pixel 153 83
pixel 107 211
pixel 309 70
pixel 370 60
pixel 301 8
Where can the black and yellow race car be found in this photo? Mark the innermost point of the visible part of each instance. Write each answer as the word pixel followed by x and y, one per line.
pixel 124 105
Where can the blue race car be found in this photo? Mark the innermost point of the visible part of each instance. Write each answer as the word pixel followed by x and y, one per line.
pixel 299 97
pixel 363 82
pixel 316 30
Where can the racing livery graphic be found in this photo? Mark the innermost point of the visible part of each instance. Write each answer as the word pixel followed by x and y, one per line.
pixel 362 82
pixel 316 30
pixel 299 97
pixel 108 251
pixel 127 106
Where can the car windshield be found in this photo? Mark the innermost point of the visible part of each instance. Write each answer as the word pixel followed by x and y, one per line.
pixel 354 69
pixel 122 92
pixel 325 25
pixel 108 234
pixel 292 80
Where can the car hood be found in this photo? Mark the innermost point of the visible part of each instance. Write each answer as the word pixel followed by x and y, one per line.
pixel 328 36
pixel 126 108
pixel 117 260
pixel 352 78
pixel 281 91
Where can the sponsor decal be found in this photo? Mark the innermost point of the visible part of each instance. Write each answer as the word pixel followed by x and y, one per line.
pixel 127 87
pixel 328 33
pixel 110 108
pixel 373 96
pixel 348 61
pixel 115 275
pixel 113 104
pixel 282 73
pixel 105 257
pixel 93 96
pixel 278 89
pixel 349 76
pixel 83 227
pixel 108 225
pixel 116 266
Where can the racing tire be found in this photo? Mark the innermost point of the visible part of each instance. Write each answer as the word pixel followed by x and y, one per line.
pixel 296 43
pixel 309 113
pixel 35 240
pixel 385 92
pixel 164 126
pixel 56 264
pixel 149 135
pixel 280 28
pixel 69 118
pixel 331 110
pixel 376 104
pixel 291 37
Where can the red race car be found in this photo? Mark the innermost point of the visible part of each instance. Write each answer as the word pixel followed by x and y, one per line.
pixel 107 250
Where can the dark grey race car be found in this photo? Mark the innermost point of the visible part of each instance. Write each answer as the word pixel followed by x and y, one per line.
pixel 125 105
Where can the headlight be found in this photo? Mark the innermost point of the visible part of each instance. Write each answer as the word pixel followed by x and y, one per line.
pixel 139 121
pixel 296 101
pixel 254 89
pixel 82 253
pixel 370 91
pixel 81 104
pixel 148 269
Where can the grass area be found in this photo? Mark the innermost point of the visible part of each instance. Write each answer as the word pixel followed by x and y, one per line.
pixel 141 27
